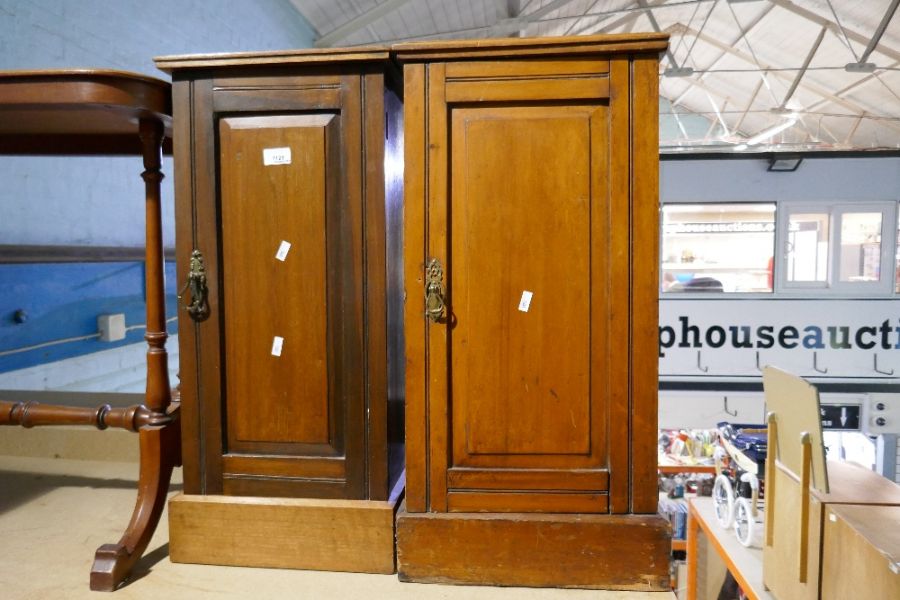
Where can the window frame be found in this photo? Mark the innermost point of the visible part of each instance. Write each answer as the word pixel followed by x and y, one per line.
pixel 696 294
pixel 781 288
pixel 833 286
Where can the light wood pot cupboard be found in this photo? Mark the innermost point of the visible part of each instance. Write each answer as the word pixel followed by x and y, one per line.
pixel 283 211
pixel 530 247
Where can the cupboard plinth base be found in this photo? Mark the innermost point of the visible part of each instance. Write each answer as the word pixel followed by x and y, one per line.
pixel 293 533
pixel 619 552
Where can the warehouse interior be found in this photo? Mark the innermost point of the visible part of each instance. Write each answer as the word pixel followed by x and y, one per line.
pixel 777 244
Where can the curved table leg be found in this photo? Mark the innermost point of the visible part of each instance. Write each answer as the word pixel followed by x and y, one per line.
pixel 160 453
pixel 160 446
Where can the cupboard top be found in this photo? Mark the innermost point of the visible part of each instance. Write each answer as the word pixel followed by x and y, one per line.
pixel 531 47
pixel 306 56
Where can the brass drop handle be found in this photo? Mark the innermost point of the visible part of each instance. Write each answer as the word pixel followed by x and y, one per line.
pixel 197 304
pixel 434 290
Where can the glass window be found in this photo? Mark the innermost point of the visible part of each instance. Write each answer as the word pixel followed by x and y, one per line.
pixel 717 247
pixel 840 248
pixel 860 252
pixel 807 247
pixel 897 258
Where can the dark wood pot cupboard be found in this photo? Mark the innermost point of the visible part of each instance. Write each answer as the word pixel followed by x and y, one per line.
pixel 283 212
pixel 530 236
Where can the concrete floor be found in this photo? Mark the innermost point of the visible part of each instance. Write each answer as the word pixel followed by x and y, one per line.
pixel 55 512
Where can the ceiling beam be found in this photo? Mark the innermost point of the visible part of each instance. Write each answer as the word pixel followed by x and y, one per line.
pixel 816 89
pixel 517 25
pixel 802 71
pixel 753 96
pixel 744 31
pixel 655 25
pixel 823 22
pixel 856 84
pixel 879 31
pixel 694 83
pixel 358 22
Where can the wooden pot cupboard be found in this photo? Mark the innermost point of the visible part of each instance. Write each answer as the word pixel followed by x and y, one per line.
pixel 530 262
pixel 283 212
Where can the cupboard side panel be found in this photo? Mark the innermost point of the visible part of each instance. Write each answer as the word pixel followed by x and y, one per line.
pixel 618 358
pixel 209 355
pixel 438 332
pixel 185 242
pixel 375 288
pixel 414 212
pixel 645 282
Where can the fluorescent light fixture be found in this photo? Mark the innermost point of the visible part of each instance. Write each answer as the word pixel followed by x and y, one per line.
pixel 860 67
pixel 784 164
pixel 678 72
pixel 771 132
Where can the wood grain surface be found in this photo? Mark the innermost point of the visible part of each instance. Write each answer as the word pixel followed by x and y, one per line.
pixel 295 533
pixel 594 551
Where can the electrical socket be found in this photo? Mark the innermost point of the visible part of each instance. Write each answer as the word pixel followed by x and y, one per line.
pixel 111 327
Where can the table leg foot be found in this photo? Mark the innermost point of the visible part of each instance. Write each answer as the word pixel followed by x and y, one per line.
pixel 160 453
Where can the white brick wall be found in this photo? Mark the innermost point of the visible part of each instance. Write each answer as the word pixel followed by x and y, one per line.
pixel 96 201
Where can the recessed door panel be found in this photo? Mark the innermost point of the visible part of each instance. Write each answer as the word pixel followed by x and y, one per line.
pixel 528 381
pixel 283 255
pixel 518 242
pixel 273 243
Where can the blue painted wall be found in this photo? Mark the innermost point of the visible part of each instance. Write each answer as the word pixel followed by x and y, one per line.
pixel 99 201
pixel 63 301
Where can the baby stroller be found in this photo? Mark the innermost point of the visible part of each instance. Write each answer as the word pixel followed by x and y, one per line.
pixel 740 468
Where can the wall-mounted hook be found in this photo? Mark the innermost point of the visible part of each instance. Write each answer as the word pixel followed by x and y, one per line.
pixel 816 363
pixel 728 412
pixel 758 367
pixel 877 370
pixel 699 366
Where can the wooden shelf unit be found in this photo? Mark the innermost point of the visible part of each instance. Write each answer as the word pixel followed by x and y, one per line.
pixel 745 564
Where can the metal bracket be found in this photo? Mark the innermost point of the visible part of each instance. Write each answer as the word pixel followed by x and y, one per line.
pixel 728 412
pixel 816 363
pixel 877 370
pixel 699 366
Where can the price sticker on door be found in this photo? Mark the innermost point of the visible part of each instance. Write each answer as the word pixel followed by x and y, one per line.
pixel 276 156
pixel 283 250
pixel 525 301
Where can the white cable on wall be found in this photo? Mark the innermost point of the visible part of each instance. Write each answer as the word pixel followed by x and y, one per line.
pixel 79 338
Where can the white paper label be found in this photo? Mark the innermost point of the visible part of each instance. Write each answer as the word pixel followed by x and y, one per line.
pixel 277 343
pixel 276 156
pixel 283 250
pixel 525 302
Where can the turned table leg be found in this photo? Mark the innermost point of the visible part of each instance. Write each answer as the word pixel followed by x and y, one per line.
pixel 159 445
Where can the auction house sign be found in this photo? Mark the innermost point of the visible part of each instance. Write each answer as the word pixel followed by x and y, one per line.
pixel 819 338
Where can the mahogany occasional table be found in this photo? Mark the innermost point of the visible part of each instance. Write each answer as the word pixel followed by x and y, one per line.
pixel 102 112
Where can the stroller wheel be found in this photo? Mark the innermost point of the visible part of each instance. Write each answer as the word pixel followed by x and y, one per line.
pixel 744 524
pixel 723 497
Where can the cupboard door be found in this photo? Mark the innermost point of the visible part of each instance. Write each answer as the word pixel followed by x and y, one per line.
pixel 520 371
pixel 291 296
